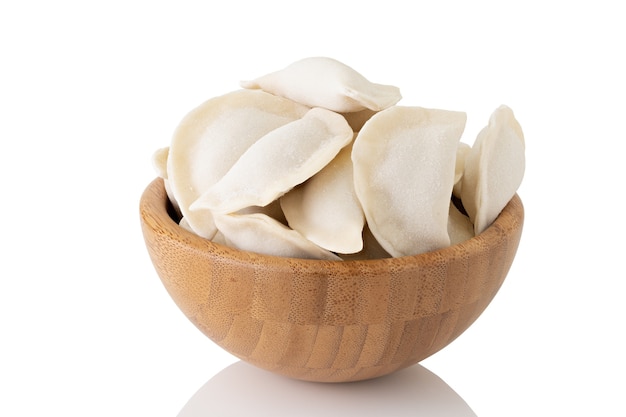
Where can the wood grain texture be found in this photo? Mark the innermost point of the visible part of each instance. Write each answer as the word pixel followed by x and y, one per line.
pixel 328 321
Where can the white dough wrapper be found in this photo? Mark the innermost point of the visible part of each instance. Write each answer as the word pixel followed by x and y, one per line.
pixel 279 161
pixel 404 168
pixel 212 137
pixel 326 82
pixel 261 234
pixel 325 208
pixel 494 168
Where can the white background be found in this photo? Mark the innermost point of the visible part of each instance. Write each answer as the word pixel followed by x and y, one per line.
pixel 89 90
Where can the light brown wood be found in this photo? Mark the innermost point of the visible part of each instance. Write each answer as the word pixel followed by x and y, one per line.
pixel 328 321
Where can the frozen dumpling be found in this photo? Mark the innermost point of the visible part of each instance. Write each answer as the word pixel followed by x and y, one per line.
pixel 212 137
pixel 325 208
pixel 404 168
pixel 261 234
pixel 494 168
pixel 328 83
pixel 279 161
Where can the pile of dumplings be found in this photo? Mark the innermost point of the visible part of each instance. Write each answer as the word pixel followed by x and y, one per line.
pixel 315 161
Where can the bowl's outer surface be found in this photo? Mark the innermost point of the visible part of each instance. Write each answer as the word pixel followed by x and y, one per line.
pixel 328 321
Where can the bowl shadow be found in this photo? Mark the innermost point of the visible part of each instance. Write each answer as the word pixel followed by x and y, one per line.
pixel 244 390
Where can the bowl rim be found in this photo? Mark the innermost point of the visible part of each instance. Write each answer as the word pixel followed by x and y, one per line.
pixel 155 212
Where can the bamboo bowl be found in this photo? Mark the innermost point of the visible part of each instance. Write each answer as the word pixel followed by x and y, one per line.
pixel 328 321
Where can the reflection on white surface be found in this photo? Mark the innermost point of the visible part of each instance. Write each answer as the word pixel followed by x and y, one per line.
pixel 243 390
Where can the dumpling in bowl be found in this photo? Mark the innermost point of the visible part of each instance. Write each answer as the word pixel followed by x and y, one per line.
pixel 404 169
pixel 325 208
pixel 212 137
pixel 494 168
pixel 277 162
pixel 325 82
pixel 259 233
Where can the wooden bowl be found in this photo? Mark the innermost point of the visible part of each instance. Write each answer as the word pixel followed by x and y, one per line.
pixel 328 321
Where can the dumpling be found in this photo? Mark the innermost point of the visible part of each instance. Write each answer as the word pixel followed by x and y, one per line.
pixel 325 82
pixel 261 234
pixel 279 161
pixel 404 168
pixel 212 137
pixel 325 208
pixel 494 168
